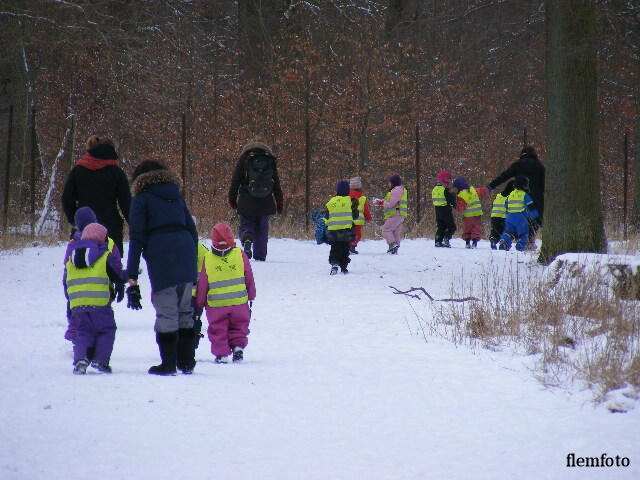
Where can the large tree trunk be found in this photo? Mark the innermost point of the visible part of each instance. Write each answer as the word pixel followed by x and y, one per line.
pixel 573 217
pixel 635 213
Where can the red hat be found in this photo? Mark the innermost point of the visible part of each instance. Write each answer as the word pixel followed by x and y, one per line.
pixel 444 177
pixel 222 237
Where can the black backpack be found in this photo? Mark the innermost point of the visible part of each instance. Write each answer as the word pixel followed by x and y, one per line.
pixel 261 168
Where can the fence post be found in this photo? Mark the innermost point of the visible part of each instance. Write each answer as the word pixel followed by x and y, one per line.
pixel 184 158
pixel 32 179
pixel 625 184
pixel 7 173
pixel 418 189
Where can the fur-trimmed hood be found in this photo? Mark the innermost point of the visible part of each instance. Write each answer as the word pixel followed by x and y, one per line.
pixel 155 177
pixel 256 146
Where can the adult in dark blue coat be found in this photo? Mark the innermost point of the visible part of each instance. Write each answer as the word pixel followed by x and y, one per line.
pixel 162 231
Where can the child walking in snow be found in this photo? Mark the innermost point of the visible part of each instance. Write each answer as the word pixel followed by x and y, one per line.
pixel 468 202
pixel 90 267
pixel 498 214
pixel 364 214
pixel 225 289
pixel 443 201
pixel 342 211
pixel 520 212
pixel 395 211
pixel 83 217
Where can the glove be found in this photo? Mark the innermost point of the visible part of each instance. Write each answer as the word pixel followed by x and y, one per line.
pixel 279 206
pixel 133 298
pixel 119 292
pixel 233 204
pixel 378 202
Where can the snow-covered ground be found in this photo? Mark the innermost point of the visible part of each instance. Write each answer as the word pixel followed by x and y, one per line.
pixel 338 382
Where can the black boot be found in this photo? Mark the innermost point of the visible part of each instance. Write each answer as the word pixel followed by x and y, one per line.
pixel 168 346
pixel 186 353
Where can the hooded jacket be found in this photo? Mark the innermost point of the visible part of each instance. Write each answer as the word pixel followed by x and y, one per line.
pixel 162 231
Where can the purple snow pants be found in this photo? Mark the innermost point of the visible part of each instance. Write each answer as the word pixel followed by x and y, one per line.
pixel 256 229
pixel 95 327
pixel 228 328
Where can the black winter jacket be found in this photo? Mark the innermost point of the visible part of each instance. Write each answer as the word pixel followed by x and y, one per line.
pixel 104 190
pixel 533 169
pixel 247 204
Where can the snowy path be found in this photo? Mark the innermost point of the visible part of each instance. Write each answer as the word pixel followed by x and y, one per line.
pixel 338 383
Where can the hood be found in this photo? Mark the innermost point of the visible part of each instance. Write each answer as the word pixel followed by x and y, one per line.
pixel 256 146
pixel 444 177
pixel 342 188
pixel 461 183
pixel 83 217
pixel 85 253
pixel 93 163
pixel 222 237
pixel 166 184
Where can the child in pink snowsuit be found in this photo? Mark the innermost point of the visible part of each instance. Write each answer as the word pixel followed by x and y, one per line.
pixel 225 288
pixel 395 211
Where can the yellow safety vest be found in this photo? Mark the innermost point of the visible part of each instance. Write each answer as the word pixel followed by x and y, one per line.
pixel 89 287
pixel 437 196
pixel 340 215
pixel 515 201
pixel 226 279
pixel 202 251
pixel 474 207
pixel 360 220
pixel 499 206
pixel 401 208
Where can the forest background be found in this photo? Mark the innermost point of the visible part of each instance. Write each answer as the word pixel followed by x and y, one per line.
pixel 338 88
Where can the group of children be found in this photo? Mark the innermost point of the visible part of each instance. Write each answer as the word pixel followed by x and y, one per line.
pixel 93 278
pixel 340 223
pixel 512 212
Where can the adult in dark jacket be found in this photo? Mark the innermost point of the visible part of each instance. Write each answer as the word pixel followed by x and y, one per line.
pixel 98 182
pixel 530 166
pixel 162 231
pixel 254 212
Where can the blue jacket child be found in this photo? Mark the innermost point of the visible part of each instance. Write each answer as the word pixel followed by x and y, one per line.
pixel 520 212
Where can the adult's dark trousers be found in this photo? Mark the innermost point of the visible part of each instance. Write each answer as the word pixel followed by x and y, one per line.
pixel 256 229
pixel 339 254
pixel 446 225
pixel 497 227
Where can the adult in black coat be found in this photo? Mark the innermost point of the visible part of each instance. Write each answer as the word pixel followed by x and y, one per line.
pixel 162 231
pixel 254 212
pixel 98 182
pixel 531 167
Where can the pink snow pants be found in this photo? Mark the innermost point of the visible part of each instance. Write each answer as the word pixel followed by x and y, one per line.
pixel 228 328
pixel 392 229
pixel 471 228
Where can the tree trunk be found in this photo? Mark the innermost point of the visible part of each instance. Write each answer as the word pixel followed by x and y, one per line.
pixel 573 216
pixel 635 212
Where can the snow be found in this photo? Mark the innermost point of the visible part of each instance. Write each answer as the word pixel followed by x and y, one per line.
pixel 338 382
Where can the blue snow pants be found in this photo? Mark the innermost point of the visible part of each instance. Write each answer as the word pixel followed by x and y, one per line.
pixel 516 227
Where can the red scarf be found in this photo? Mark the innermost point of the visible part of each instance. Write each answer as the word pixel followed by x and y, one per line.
pixel 93 163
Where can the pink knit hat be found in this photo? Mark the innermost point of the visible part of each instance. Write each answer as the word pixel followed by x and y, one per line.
pixel 444 177
pixel 94 231
pixel 222 237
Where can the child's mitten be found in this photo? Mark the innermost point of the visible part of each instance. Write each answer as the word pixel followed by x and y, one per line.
pixel 134 297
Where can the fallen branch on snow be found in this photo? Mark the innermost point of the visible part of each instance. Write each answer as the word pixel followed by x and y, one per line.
pixel 421 289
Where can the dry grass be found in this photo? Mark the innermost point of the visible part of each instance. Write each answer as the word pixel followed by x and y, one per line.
pixel 573 321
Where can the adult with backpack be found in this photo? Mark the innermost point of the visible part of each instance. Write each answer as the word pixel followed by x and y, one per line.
pixel 256 194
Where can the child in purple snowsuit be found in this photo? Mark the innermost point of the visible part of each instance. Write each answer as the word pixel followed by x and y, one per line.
pixel 225 290
pixel 95 324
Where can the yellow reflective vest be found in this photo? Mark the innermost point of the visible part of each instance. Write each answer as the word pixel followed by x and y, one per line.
pixel 202 250
pixel 474 207
pixel 340 215
pixel 515 201
pixel 89 287
pixel 499 206
pixel 360 220
pixel 402 207
pixel 226 279
pixel 437 196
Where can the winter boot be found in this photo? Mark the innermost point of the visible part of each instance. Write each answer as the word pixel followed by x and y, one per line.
pixel 474 243
pixel 101 367
pixel 393 249
pixel 352 250
pixel 445 243
pixel 467 244
pixel 221 359
pixel 168 346
pixel 494 245
pixel 80 367
pixel 439 244
pixel 502 245
pixel 238 354
pixel 246 245
pixel 197 332
pixel 334 269
pixel 186 353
